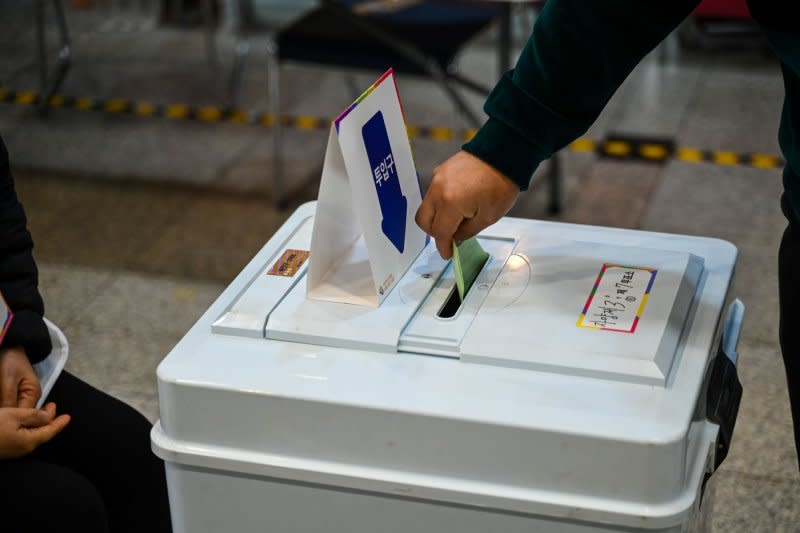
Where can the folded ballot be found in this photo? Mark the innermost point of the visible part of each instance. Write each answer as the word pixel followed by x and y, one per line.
pixel 468 260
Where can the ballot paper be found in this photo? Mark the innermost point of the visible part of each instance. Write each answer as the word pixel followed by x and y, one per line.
pixel 468 260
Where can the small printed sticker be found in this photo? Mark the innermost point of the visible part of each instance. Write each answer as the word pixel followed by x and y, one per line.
pixel 618 297
pixel 289 263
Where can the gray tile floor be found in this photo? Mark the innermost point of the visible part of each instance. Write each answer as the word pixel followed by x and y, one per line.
pixel 139 224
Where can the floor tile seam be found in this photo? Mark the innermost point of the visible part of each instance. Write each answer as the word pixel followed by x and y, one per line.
pixel 229 163
pixel 114 275
pixel 793 476
pixel 569 202
pixel 78 316
pixel 648 196
pixel 692 103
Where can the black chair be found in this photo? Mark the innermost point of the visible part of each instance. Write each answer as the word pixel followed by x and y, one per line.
pixel 418 38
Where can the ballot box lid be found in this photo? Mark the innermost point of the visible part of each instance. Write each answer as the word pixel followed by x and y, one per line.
pixel 568 382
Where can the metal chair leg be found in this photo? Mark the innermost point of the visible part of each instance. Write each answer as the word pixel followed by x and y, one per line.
pixel 241 51
pixel 274 87
pixel 211 48
pixel 49 84
pixel 554 177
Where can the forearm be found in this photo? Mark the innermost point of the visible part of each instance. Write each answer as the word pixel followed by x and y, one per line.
pixel 18 273
pixel 576 58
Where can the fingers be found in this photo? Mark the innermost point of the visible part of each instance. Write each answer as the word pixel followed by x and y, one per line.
pixel 34 418
pixel 445 223
pixel 28 393
pixel 8 390
pixel 469 228
pixel 425 213
pixel 42 434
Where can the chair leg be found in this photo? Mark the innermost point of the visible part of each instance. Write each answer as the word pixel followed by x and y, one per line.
pixel 41 44
pixel 554 177
pixel 211 48
pixel 471 117
pixel 274 87
pixel 50 84
pixel 241 51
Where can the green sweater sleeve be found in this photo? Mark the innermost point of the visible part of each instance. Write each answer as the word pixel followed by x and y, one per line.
pixel 577 56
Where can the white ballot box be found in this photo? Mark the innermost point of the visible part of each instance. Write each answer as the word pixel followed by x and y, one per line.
pixel 586 383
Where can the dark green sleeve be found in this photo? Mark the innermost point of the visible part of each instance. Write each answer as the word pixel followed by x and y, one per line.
pixel 577 56
pixel 786 45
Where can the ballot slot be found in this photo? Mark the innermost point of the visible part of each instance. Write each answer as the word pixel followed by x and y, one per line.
pixel 442 320
pixel 452 304
pixel 298 318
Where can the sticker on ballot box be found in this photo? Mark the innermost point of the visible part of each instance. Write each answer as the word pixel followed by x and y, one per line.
pixel 618 298
pixel 289 263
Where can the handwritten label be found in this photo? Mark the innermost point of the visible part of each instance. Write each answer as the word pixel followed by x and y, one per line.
pixel 289 263
pixel 618 298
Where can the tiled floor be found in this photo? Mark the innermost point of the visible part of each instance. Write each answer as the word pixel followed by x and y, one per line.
pixel 139 224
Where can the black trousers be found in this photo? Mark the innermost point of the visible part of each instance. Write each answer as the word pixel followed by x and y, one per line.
pixel 98 475
pixel 789 280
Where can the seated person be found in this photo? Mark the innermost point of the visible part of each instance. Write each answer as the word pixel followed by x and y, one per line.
pixel 88 470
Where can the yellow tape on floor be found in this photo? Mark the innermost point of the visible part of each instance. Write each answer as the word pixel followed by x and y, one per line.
pixel 619 148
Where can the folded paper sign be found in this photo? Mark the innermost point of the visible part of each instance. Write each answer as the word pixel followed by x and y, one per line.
pixel 365 238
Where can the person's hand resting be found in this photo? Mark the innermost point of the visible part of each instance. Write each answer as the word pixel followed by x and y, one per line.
pixel 22 430
pixel 466 195
pixel 19 385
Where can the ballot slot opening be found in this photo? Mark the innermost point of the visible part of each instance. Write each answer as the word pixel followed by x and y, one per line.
pixel 453 302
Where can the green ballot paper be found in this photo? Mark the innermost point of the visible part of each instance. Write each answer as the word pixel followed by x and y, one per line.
pixel 468 259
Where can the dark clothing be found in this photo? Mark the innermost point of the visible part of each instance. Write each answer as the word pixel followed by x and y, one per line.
pixel 576 58
pixel 788 267
pixel 97 475
pixel 19 279
pixel 579 54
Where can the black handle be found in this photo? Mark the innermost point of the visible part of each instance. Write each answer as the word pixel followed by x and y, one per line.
pixel 723 396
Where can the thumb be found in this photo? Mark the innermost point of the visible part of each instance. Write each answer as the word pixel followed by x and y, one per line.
pixel 31 418
pixel 468 228
pixel 42 434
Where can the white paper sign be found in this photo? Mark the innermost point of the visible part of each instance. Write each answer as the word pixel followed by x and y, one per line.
pixel 618 298
pixel 365 237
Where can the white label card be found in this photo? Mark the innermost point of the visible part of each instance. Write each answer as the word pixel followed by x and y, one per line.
pixel 618 298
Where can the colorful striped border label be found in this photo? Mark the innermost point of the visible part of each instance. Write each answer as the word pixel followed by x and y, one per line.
pixel 366 93
pixel 618 298
pixel 7 317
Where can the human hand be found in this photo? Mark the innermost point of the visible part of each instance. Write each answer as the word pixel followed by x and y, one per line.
pixel 19 385
pixel 22 430
pixel 466 195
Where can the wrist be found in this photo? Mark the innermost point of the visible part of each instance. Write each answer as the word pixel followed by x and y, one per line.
pixel 510 154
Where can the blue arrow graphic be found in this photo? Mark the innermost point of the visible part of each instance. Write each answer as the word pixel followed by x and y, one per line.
pixel 386 180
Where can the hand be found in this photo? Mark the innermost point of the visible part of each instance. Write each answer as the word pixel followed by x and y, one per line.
pixel 19 386
pixel 24 430
pixel 466 195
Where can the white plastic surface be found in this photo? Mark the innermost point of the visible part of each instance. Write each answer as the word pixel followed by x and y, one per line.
pixel 50 368
pixel 577 449
pixel 429 333
pixel 360 327
pixel 539 329
pixel 248 312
